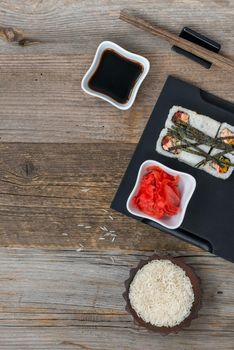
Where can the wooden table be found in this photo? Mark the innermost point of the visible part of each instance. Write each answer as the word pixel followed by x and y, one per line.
pixel 63 154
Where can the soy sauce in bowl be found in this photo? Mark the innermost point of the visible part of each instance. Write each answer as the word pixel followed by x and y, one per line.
pixel 115 76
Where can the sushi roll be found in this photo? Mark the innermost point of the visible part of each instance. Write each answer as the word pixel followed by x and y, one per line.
pixel 200 135
pixel 213 168
pixel 169 146
pixel 201 122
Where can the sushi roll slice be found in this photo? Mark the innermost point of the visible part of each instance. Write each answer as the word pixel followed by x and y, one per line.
pixel 222 172
pixel 226 132
pixel 213 168
pixel 201 122
pixel 165 142
pixel 169 146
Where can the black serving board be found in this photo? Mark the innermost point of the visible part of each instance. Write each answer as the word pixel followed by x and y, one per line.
pixel 209 219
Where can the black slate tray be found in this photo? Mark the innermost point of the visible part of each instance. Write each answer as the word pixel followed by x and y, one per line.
pixel 209 219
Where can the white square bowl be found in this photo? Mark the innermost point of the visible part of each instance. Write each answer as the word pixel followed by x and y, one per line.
pixel 187 185
pixel 127 54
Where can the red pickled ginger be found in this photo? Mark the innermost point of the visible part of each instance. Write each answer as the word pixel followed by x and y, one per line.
pixel 159 193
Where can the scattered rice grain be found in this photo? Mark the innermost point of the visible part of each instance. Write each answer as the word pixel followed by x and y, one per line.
pixel 107 234
pixel 85 189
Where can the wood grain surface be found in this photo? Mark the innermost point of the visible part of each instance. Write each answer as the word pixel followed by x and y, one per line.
pixel 73 300
pixel 58 195
pixel 42 101
pixel 64 254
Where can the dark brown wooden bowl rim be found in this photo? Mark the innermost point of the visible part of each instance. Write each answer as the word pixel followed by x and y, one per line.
pixel 196 285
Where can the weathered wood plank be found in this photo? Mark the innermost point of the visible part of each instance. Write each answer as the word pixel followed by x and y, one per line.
pixel 48 190
pixel 66 26
pixel 42 101
pixel 73 300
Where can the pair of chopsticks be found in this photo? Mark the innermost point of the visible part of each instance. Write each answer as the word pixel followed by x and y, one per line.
pixel 173 39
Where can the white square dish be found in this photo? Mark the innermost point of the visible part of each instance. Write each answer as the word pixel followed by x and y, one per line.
pixel 128 55
pixel 187 185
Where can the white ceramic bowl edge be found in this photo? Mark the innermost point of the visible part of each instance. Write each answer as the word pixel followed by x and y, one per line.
pixel 129 55
pixel 187 185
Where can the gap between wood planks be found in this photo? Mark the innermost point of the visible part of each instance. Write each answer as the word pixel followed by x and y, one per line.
pixel 58 196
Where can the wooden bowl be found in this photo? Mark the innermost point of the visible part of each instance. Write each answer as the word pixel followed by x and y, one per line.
pixel 196 285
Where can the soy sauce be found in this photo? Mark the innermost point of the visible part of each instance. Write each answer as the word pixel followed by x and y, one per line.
pixel 115 76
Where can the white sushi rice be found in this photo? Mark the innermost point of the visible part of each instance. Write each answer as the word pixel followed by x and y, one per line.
pixel 161 293
pixel 190 159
